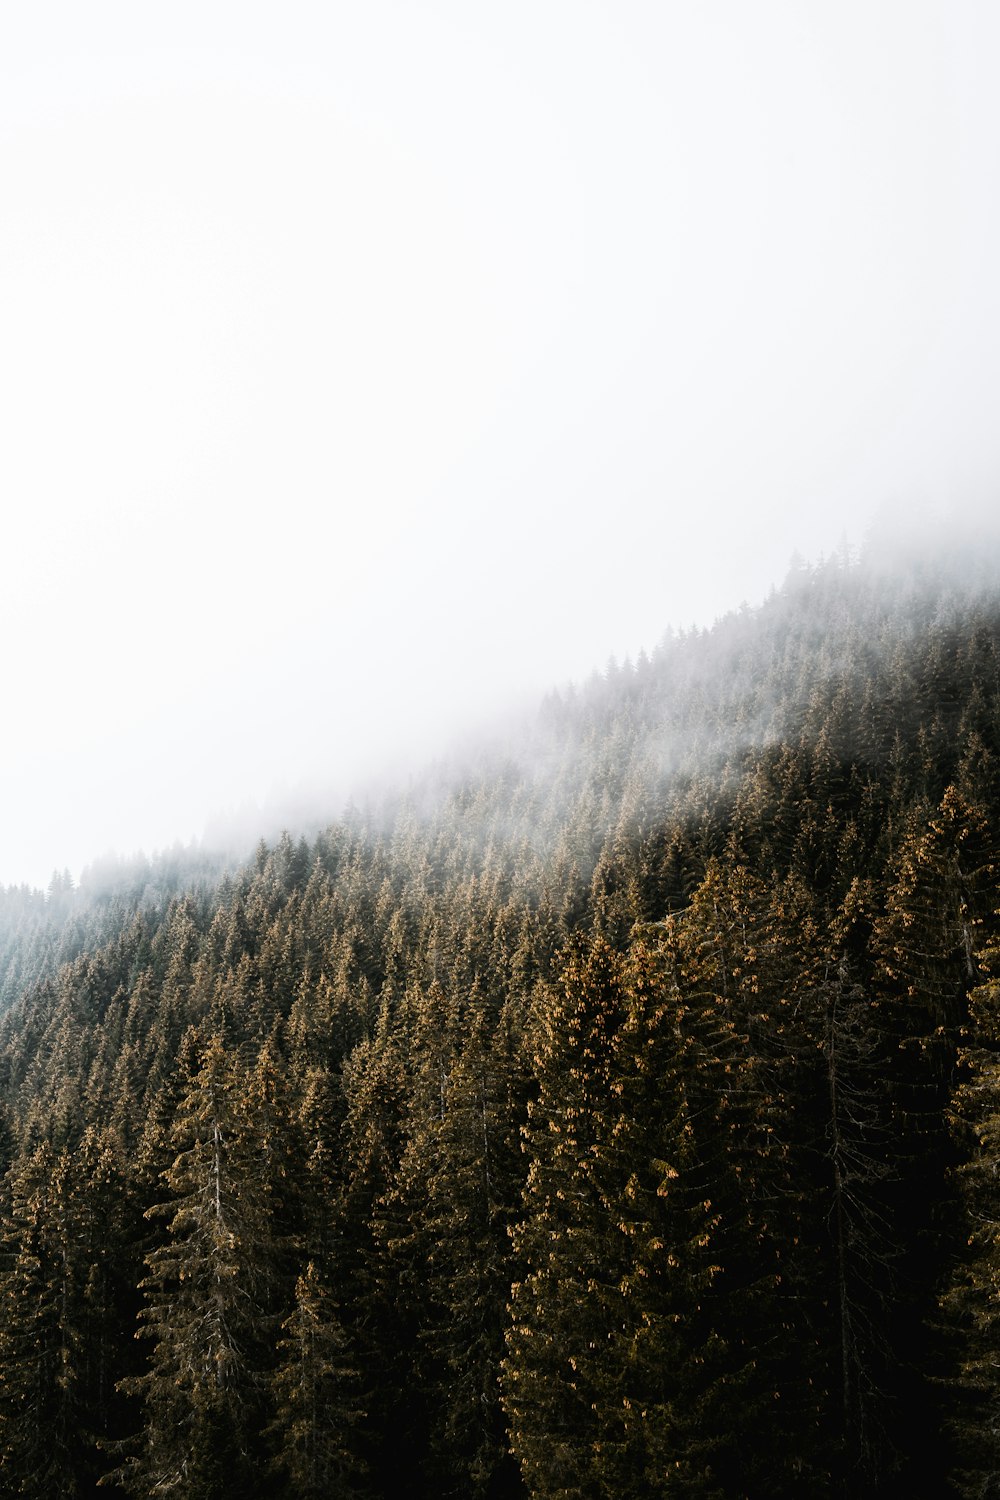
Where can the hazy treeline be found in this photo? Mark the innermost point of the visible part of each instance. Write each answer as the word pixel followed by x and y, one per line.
pixel 617 1116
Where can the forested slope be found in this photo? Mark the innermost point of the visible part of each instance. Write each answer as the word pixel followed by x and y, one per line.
pixel 617 1115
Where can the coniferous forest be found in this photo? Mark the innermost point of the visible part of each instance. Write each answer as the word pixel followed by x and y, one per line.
pixel 615 1113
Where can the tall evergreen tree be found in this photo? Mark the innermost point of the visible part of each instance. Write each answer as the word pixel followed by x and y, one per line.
pixel 57 1322
pixel 207 1296
pixel 315 1393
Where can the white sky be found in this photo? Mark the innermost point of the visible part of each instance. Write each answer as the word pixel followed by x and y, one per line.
pixel 366 365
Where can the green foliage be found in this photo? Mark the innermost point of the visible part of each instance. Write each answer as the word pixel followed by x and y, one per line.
pixel 315 1403
pixel 613 1116
pixel 207 1300
pixel 970 1301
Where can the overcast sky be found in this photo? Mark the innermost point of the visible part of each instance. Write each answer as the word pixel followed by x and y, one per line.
pixel 366 367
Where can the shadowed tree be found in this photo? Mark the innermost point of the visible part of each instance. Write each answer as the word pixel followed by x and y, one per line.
pixel 314 1391
pixel 207 1293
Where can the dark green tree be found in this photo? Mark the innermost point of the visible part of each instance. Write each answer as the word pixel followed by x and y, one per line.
pixel 208 1292
pixel 315 1395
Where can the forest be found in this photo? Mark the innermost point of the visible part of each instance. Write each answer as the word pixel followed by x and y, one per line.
pixel 614 1113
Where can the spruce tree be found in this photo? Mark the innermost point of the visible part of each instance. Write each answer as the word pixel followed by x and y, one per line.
pixel 207 1292
pixel 620 1377
pixel 971 1298
pixel 53 1320
pixel 315 1396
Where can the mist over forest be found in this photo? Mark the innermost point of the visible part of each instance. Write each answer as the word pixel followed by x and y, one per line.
pixel 419 357
pixel 611 1110
pixel 548 1045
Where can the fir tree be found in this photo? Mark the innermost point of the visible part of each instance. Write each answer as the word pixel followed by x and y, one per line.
pixel 206 1303
pixel 314 1389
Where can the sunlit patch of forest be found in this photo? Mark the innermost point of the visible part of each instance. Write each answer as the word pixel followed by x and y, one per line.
pixel 613 1115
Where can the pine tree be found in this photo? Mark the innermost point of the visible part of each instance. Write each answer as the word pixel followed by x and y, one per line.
pixel 619 1378
pixel 65 1277
pixel 444 1229
pixel 937 915
pixel 314 1388
pixel 374 1087
pixel 206 1294
pixel 562 1242
pixel 971 1299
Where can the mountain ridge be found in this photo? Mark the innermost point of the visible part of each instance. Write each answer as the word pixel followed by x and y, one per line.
pixel 610 1110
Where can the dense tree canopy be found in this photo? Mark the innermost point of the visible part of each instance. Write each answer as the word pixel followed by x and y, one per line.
pixel 612 1115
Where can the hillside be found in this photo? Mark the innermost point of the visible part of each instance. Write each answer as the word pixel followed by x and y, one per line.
pixel 616 1113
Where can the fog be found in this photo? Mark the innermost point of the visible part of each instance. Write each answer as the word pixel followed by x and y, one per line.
pixel 369 369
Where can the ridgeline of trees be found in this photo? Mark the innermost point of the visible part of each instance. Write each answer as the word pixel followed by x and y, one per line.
pixel 618 1117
